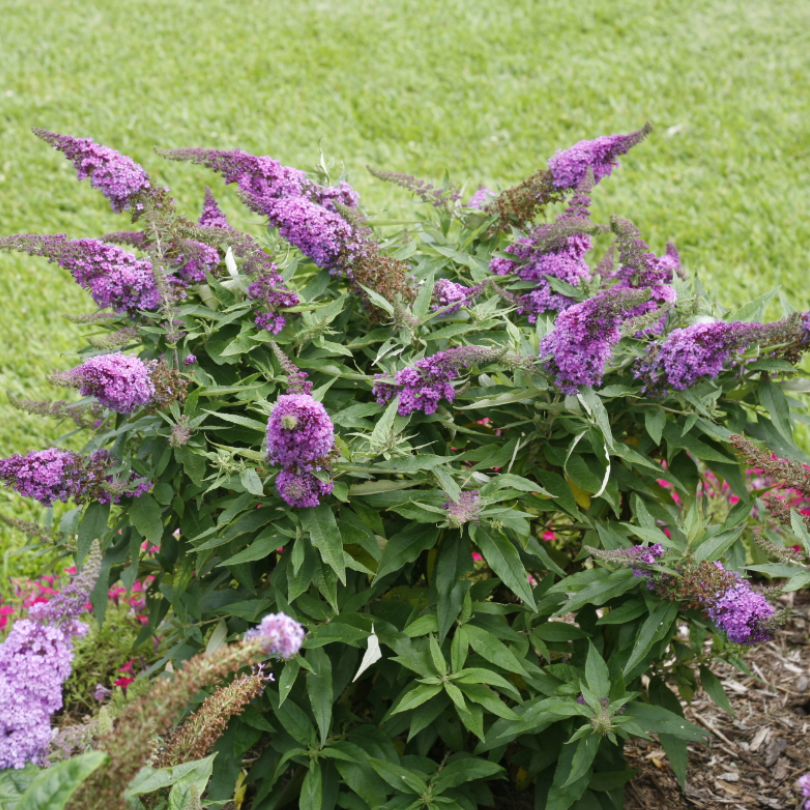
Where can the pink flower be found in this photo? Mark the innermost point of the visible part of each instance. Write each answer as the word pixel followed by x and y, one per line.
pixel 477 557
pixel 124 682
pixel 71 570
pixel 549 535
pixel 127 667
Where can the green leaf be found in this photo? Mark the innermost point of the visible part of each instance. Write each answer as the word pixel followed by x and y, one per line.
pixel 657 720
pixel 484 696
pixel 93 526
pixel 753 311
pixel 563 794
pixel 493 649
pixel 54 786
pixel 401 779
pixel 385 425
pixel 14 782
pixel 596 408
pixel 405 546
pixel 452 565
pixel 319 689
pixel 251 481
pixel 714 689
pixel 311 797
pixel 416 697
pixel 662 617
pixel 320 522
pixel 654 421
pixel 148 780
pixel 587 748
pixel 145 515
pixel 558 631
pixel 596 673
pixel 773 398
pixel 465 770
pixel 261 547
pixel 503 558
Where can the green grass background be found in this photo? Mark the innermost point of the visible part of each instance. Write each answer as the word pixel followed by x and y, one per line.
pixel 485 88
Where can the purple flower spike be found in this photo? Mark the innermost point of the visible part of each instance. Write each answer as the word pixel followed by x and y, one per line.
pixel 35 662
pixel 742 613
pixel 271 295
pixel 119 382
pixel 299 432
pixel 118 177
pixel 804 785
pixel 481 197
pixel 279 634
pixel 465 510
pixel 189 359
pixel 569 166
pixel 302 489
pixel 212 215
pixel 45 475
pixel 195 260
pixel 448 292
pixel 113 277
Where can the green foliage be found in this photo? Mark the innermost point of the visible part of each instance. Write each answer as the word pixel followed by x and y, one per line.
pixel 53 787
pixel 528 660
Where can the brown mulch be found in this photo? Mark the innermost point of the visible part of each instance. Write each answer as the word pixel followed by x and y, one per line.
pixel 753 758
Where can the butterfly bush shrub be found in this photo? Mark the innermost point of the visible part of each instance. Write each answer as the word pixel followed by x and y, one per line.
pixel 473 459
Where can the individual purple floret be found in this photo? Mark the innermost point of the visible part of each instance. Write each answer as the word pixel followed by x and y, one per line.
pixel 569 166
pixel 429 380
pixel 322 235
pixel 742 613
pixel 35 662
pixel 118 381
pixel 327 196
pixel 279 634
pixel 113 277
pixel 465 510
pixel 189 359
pixel 699 350
pixel 580 344
pixel 481 197
pixel 212 215
pixel 299 432
pixel 118 177
pixel 45 475
pixel 271 296
pixel 195 260
pixel 302 489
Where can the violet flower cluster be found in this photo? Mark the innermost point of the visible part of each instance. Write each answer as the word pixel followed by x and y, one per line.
pixel 271 295
pixel 579 346
pixel 35 662
pixel 422 386
pixel 119 382
pixel 118 177
pixel 300 435
pixel 548 252
pixel 570 166
pixel 481 197
pixel 195 260
pixel 212 215
pixel 55 475
pixel 742 613
pixel 804 785
pixel 699 350
pixel 450 294
pixel 278 634
pixel 114 277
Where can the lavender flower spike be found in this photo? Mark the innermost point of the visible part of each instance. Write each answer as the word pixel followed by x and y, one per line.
pixel 569 166
pixel 278 634
pixel 302 489
pixel 34 664
pixel 804 785
pixel 118 177
pixel 212 215
pixel 119 382
pixel 113 277
pixel 46 475
pixel 465 510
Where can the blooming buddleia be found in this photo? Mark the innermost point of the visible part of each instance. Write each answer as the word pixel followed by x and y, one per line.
pixel 637 557
pixel 299 432
pixel 270 295
pixel 570 166
pixel 118 381
pixel 742 613
pixel 638 265
pixel 580 344
pixel 195 260
pixel 212 215
pixel 422 386
pixel 327 196
pixel 549 251
pixel 35 662
pixel 47 476
pixel 118 177
pixel 804 785
pixel 301 489
pixel 113 277
pixel 699 350
pixel 322 235
pixel 481 197
pixel 448 293
pixel 278 634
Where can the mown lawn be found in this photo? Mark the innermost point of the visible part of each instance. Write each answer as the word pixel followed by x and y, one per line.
pixel 485 88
